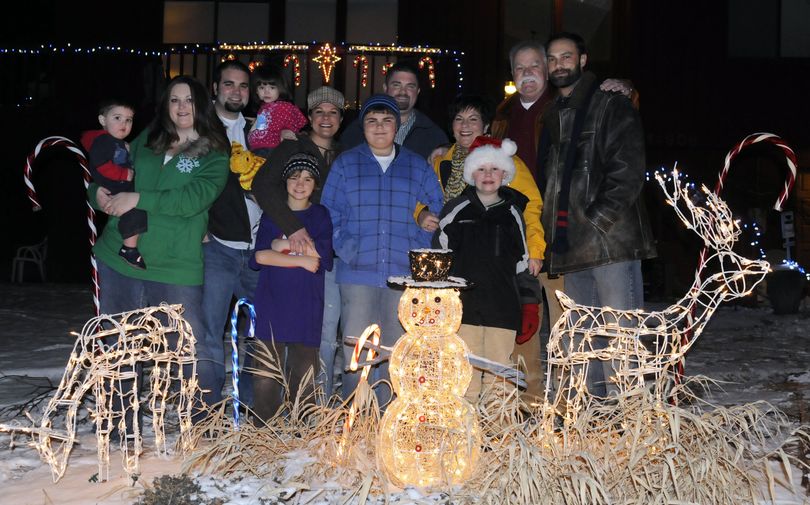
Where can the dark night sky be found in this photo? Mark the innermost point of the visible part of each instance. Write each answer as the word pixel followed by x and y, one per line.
pixel 86 22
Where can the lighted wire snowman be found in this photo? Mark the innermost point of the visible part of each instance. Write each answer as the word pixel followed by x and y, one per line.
pixel 429 434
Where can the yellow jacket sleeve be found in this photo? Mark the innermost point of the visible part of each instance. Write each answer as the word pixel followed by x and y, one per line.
pixel 436 161
pixel 524 182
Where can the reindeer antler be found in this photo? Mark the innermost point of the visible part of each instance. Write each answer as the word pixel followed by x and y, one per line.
pixel 712 221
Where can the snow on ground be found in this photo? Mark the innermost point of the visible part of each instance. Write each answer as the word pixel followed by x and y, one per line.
pixel 755 354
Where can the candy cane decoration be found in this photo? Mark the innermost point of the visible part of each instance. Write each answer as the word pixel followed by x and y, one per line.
pixel 427 60
pixel 68 144
pixel 296 67
pixel 363 70
pixel 235 351
pixel 790 158
pixel 754 138
pixel 372 331
pixel 385 67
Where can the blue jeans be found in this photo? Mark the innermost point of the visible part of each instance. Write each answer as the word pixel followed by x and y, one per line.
pixel 617 285
pixel 329 333
pixel 120 293
pixel 360 307
pixel 227 275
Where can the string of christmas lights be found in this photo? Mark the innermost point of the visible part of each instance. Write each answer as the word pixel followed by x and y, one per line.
pixel 327 55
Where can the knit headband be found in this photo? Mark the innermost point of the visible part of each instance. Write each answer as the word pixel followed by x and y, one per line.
pixel 301 161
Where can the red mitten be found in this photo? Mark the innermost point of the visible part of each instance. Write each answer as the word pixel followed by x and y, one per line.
pixel 530 322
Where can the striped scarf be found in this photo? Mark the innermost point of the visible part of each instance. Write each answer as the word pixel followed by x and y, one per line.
pixel 456 183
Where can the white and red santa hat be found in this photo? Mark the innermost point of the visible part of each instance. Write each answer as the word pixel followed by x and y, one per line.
pixel 486 150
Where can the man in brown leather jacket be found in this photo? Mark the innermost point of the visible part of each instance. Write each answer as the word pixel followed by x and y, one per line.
pixel 594 216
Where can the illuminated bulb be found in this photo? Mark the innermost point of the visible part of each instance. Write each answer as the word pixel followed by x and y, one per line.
pixel 509 88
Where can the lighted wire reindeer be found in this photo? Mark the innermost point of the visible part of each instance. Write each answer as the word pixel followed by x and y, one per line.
pixel 644 347
pixel 105 361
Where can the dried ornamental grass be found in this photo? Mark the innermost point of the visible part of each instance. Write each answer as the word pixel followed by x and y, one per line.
pixel 306 429
pixel 636 449
pixel 641 450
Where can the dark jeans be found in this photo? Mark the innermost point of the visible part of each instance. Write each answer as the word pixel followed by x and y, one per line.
pixel 120 293
pixel 268 393
pixel 227 275
pixel 617 285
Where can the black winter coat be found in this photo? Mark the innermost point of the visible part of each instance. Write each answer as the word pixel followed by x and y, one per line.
pixel 489 247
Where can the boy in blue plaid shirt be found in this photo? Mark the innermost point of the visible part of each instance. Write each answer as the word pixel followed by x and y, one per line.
pixel 371 193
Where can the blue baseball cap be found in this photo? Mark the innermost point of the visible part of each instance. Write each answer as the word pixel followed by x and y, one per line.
pixel 380 100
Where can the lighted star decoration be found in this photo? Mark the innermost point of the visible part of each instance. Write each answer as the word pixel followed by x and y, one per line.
pixel 327 57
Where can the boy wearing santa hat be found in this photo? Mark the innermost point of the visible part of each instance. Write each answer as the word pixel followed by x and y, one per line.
pixel 485 229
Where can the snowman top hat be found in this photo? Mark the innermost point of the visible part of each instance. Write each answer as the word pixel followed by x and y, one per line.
pixel 429 269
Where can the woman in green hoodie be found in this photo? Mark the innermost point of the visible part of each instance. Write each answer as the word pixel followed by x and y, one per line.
pixel 182 165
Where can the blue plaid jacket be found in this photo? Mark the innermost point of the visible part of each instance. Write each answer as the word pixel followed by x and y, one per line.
pixel 372 213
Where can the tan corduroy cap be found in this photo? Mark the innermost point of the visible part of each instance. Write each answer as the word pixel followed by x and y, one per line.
pixel 325 94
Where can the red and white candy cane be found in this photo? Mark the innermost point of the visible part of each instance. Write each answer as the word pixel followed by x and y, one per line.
pixel 68 144
pixel 372 331
pixel 790 158
pixel 754 138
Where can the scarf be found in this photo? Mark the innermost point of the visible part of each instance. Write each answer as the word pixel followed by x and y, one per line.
pixel 455 182
pixel 560 244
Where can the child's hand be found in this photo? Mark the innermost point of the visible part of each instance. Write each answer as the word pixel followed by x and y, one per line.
pixel 428 221
pixel 130 174
pixel 280 245
pixel 309 250
pixel 299 242
pixel 288 135
pixel 310 263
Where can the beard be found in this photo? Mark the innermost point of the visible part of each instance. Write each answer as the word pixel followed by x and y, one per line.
pixel 234 107
pixel 563 78
pixel 403 102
